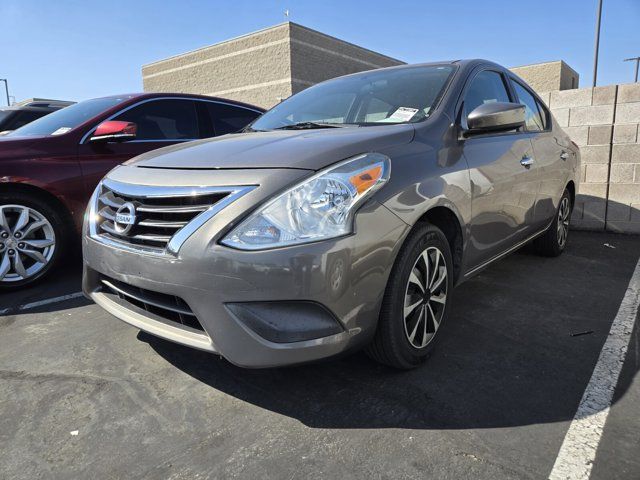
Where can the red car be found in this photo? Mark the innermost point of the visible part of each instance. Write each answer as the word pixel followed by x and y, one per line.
pixel 50 167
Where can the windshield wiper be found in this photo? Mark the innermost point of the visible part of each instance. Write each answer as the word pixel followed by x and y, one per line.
pixel 248 129
pixel 310 125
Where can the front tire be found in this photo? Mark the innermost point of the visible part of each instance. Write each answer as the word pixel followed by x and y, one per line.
pixel 553 242
pixel 32 236
pixel 416 301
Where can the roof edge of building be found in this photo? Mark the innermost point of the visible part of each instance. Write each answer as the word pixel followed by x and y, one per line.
pixel 239 37
pixel 538 63
pixel 266 29
pixel 562 62
pixel 346 42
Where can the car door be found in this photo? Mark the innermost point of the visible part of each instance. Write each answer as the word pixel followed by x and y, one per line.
pixel 503 184
pixel 549 154
pixel 227 118
pixel 160 122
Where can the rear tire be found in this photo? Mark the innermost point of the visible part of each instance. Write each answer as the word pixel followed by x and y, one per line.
pixel 416 301
pixel 33 237
pixel 553 242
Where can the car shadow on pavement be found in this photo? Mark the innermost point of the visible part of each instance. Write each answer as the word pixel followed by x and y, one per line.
pixel 519 348
pixel 63 281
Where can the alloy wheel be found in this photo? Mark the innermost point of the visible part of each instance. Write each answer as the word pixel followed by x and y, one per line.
pixel 27 243
pixel 563 221
pixel 425 297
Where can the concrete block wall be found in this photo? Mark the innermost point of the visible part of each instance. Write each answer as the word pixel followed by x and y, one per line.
pixel 604 121
pixel 624 186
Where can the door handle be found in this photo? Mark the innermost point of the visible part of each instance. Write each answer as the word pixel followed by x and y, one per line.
pixel 527 161
pixel 564 155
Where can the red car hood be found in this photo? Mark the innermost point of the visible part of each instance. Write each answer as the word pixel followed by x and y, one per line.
pixel 26 147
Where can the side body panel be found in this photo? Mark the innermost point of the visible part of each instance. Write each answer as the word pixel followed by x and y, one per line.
pixel 430 172
pixel 503 194
pixel 48 164
pixel 558 162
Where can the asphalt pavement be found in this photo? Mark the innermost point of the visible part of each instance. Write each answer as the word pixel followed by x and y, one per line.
pixel 83 395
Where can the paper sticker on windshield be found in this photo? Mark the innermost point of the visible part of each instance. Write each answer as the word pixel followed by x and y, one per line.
pixel 61 130
pixel 402 114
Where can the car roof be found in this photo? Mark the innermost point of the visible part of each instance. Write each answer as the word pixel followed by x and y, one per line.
pixel 29 108
pixel 468 62
pixel 464 64
pixel 148 95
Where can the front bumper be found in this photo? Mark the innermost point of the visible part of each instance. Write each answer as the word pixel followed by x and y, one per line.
pixel 331 291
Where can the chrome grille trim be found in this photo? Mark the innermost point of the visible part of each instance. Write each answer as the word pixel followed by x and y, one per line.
pixel 162 224
pixel 106 199
pixel 185 209
pixel 147 237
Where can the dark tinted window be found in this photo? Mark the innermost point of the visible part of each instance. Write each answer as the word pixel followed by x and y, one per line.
pixel 533 118
pixel 163 120
pixel 5 117
pixel 229 119
pixel 486 87
pixel 65 119
pixel 22 118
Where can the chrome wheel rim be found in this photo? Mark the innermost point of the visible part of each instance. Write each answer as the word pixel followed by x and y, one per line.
pixel 27 243
pixel 563 221
pixel 425 297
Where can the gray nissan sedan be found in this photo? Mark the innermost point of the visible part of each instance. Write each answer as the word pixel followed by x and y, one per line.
pixel 342 218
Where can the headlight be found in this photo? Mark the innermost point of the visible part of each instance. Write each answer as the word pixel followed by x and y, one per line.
pixel 321 207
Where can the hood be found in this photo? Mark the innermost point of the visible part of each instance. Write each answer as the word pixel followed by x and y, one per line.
pixel 20 147
pixel 303 149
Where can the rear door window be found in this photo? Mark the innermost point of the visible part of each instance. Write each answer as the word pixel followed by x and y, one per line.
pixel 171 119
pixel 533 116
pixel 544 113
pixel 229 118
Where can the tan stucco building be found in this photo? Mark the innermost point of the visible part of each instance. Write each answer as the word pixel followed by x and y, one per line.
pixel 262 67
pixel 548 76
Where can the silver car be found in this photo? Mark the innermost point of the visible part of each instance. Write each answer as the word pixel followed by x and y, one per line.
pixel 342 218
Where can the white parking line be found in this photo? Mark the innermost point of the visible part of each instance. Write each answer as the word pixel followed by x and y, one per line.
pixel 578 451
pixel 40 303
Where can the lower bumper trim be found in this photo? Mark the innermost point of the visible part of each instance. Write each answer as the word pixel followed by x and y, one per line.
pixel 151 323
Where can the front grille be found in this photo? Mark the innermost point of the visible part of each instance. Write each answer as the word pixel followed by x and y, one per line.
pixel 168 307
pixel 157 218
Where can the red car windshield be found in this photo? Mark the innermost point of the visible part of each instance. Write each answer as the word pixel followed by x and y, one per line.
pixel 68 118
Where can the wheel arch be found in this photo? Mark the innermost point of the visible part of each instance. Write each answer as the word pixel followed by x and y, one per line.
pixel 571 186
pixel 42 194
pixel 447 220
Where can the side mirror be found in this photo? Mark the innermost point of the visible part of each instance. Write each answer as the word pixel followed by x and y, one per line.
pixel 114 131
pixel 495 117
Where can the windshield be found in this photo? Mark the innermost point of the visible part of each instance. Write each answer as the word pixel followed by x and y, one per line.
pixel 404 95
pixel 61 121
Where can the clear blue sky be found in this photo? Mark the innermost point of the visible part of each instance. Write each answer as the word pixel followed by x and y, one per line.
pixel 71 49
